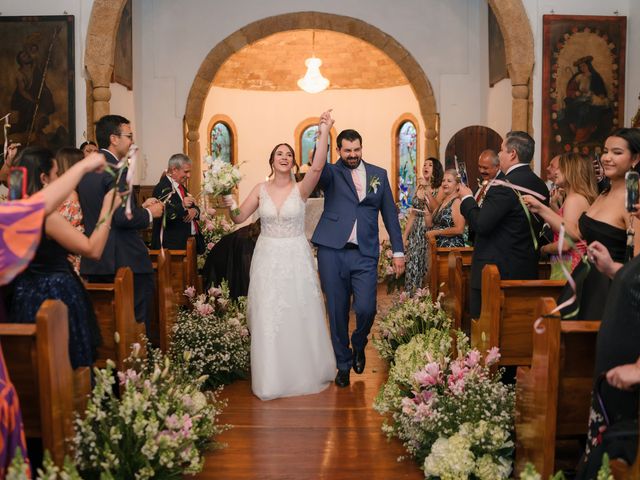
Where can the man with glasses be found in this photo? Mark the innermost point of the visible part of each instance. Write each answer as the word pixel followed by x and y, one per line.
pixel 124 247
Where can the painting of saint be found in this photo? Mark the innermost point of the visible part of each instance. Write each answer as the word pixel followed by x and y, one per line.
pixel 582 82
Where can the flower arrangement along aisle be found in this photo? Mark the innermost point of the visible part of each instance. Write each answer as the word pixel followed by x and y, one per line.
pixel 213 227
pixel 453 415
pixel 407 317
pixel 213 336
pixel 157 427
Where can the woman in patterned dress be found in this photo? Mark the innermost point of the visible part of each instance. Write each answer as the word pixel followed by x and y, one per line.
pixel 447 223
pixel 70 209
pixel 426 199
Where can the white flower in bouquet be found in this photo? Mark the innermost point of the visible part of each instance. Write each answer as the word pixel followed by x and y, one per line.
pixel 450 459
pixel 221 177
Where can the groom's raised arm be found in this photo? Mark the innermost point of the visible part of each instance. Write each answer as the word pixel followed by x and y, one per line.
pixel 389 213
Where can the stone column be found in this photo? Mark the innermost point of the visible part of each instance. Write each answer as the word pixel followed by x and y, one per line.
pixel 432 144
pixel 193 152
pixel 520 75
pixel 101 106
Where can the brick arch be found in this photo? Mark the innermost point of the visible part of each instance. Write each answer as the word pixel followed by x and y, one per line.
pixel 105 17
pixel 300 21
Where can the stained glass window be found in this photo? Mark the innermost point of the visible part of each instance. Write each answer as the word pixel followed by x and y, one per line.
pixel 221 139
pixel 308 141
pixel 407 152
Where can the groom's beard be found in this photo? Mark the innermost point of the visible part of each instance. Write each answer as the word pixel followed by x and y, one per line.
pixel 346 164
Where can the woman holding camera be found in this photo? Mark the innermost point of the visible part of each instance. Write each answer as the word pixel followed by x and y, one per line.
pixel 50 275
pixel 606 221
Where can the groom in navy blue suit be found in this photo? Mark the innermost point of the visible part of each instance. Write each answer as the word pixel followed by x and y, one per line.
pixel 349 247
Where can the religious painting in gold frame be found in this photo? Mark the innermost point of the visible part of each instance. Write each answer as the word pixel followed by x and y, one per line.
pixel 37 86
pixel 583 75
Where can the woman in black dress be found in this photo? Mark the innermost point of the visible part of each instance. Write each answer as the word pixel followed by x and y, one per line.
pixel 614 401
pixel 605 221
pixel 50 275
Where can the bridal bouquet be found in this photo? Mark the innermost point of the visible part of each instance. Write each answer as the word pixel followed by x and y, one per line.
pixel 407 317
pixel 213 336
pixel 157 424
pixel 220 177
pixel 453 415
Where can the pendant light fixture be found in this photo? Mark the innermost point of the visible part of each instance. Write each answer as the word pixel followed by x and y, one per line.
pixel 313 81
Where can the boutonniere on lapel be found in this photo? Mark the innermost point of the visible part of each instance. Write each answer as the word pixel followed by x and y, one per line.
pixel 374 183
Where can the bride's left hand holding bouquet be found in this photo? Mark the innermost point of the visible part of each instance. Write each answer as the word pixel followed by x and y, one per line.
pixel 220 178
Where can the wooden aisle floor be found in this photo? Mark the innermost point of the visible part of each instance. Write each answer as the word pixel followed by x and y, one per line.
pixel 333 435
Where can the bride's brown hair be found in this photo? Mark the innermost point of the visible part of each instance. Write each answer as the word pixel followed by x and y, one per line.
pixel 273 154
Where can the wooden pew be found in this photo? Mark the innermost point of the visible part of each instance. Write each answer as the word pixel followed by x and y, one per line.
pixel 184 269
pixel 507 314
pixel 457 301
pixel 37 359
pixel 438 265
pixel 114 307
pixel 553 395
pixel 167 307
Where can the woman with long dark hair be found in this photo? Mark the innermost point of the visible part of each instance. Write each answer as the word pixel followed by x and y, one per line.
pixel 50 275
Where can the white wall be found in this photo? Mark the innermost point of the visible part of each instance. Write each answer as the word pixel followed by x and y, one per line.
pixel 443 37
pixel 448 39
pixel 264 119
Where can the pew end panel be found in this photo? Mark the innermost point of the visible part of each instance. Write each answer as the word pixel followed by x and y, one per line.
pixel 553 394
pixel 37 359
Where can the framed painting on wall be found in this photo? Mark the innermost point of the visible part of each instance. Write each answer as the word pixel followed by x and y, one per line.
pixel 582 82
pixel 123 59
pixel 37 86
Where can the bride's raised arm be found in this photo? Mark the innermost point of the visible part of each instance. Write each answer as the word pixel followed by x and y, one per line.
pixel 312 176
pixel 247 208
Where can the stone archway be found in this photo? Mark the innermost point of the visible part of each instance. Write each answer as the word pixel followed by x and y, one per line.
pixel 518 44
pixel 99 57
pixel 511 16
pixel 299 21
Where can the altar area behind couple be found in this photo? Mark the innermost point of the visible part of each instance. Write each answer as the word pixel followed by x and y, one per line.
pixel 333 435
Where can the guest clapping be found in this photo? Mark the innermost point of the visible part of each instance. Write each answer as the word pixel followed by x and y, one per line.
pixel 447 223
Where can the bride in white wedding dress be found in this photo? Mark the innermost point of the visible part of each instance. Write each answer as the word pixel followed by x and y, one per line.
pixel 291 353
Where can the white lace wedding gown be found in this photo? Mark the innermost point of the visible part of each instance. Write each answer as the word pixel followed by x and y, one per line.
pixel 291 353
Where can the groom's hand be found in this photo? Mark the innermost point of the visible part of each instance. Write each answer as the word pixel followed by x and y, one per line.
pixel 398 265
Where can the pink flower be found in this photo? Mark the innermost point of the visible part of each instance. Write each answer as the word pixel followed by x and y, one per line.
pixel 403 297
pixel 423 411
pixel 429 375
pixel 456 385
pixel 244 332
pixel 492 357
pixel 190 292
pixel 210 245
pixel 214 292
pixel 473 357
pixel 223 301
pixel 211 211
pixel 208 225
pixel 388 254
pixel 408 406
pixel 204 309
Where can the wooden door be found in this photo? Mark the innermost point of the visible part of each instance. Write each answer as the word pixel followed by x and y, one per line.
pixel 466 145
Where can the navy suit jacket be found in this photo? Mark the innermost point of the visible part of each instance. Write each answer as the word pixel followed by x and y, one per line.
pixel 502 231
pixel 176 231
pixel 342 207
pixel 124 247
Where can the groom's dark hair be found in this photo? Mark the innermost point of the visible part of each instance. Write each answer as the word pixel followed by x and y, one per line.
pixel 350 135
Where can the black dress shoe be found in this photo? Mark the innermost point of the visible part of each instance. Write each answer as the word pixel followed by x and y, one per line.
pixel 358 360
pixel 342 378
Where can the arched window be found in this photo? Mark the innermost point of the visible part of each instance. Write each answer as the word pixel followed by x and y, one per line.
pixel 405 159
pixel 221 142
pixel 305 134
pixel 222 139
